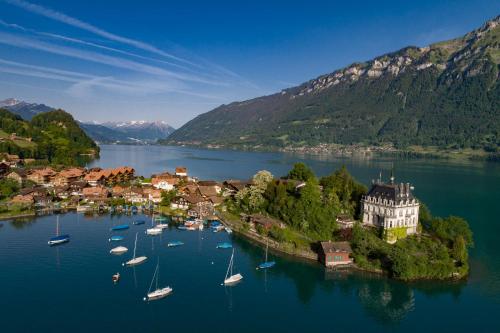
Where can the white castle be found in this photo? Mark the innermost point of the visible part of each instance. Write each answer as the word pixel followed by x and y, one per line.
pixel 392 208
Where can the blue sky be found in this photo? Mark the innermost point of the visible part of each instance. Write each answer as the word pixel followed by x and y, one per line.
pixel 172 60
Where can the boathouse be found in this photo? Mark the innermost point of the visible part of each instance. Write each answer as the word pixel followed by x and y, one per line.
pixel 333 254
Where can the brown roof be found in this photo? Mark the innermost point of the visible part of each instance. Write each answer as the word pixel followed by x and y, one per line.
pixel 180 170
pixel 194 199
pixel 332 247
pixel 207 191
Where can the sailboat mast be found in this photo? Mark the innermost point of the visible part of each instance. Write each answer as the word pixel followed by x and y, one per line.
pixel 135 244
pixel 158 273
pixel 267 248
pixel 57 225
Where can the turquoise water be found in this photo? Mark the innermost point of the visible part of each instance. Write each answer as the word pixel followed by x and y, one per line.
pixel 69 287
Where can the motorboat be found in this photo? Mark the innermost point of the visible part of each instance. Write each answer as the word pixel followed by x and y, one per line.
pixel 154 231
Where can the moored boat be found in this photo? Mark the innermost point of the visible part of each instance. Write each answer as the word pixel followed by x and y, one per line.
pixel 218 228
pixel 266 264
pixel 116 277
pixel 118 250
pixel 230 277
pixel 154 231
pixel 158 292
pixel 120 227
pixel 135 260
pixel 139 222
pixel 175 243
pixel 116 238
pixel 224 245
pixel 58 239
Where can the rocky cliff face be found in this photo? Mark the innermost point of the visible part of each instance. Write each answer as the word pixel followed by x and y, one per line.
pixel 446 95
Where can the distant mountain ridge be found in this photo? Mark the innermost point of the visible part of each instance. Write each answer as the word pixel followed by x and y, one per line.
pixel 445 95
pixel 128 132
pixel 24 109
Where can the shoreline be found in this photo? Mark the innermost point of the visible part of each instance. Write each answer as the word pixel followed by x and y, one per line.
pixel 359 151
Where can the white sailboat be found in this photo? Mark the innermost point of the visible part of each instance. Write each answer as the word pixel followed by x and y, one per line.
pixel 135 260
pixel 230 277
pixel 153 231
pixel 158 292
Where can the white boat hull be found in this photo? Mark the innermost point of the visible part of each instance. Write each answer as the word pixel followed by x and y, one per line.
pixel 162 226
pixel 233 279
pixel 136 261
pixel 118 250
pixel 159 293
pixel 154 231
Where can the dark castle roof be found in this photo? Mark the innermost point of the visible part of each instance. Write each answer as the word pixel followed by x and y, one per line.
pixel 394 192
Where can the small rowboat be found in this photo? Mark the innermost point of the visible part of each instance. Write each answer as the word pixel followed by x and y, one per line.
pixel 266 265
pixel 116 238
pixel 120 227
pixel 139 222
pixel 175 243
pixel 182 227
pixel 116 277
pixel 162 226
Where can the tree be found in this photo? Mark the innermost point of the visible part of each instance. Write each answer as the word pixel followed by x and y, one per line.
pixel 167 197
pixel 301 172
pixel 251 198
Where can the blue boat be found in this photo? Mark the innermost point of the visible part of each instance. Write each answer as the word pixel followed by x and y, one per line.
pixel 175 243
pixel 224 245
pixel 59 240
pixel 116 238
pixel 138 222
pixel 266 265
pixel 120 227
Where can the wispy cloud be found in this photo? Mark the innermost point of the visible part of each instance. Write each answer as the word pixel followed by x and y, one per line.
pixel 66 19
pixel 22 42
pixel 82 84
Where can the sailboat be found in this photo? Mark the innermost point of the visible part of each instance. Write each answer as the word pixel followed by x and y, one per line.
pixel 58 239
pixel 230 277
pixel 158 292
pixel 266 264
pixel 135 260
pixel 153 231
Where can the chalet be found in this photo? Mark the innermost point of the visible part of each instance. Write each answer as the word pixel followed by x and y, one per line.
pixel 165 182
pixel 19 175
pixel 95 193
pixel 42 200
pixel 231 187
pixel 333 254
pixel 134 195
pixel 109 176
pixel 181 172
pixel 118 190
pixel 76 188
pixel 62 192
pixel 41 176
pixel 68 176
pixel 20 199
pixel 94 178
pixel 152 194
pixel 207 191
pixel 211 183
pixel 179 203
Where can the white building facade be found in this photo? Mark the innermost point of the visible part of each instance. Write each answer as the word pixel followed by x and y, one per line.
pixel 392 208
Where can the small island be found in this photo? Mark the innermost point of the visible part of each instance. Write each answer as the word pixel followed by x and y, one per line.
pixel 383 230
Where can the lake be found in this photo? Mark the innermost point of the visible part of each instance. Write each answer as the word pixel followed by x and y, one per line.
pixel 69 287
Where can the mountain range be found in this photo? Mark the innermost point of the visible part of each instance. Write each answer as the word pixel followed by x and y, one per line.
pixel 128 132
pixel 445 95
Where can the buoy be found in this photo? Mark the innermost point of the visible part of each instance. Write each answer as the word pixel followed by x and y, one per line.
pixel 212 262
pixel 144 298
pixel 123 264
